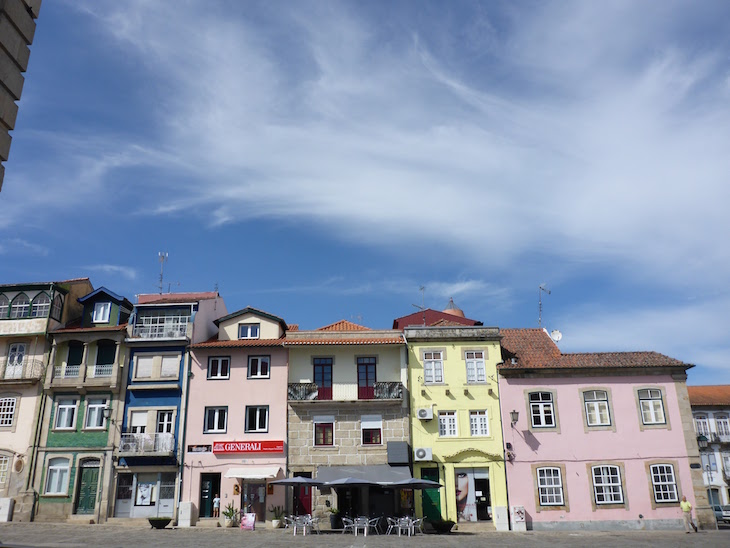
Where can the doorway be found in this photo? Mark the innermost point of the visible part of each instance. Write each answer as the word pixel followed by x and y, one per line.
pixel 302 496
pixel 253 500
pixel 88 484
pixel 210 486
pixel 431 498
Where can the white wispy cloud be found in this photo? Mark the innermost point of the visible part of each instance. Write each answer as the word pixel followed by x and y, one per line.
pixel 116 270
pixel 21 246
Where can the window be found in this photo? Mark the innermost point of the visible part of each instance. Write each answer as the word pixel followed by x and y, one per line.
pixel 723 425
pixel 475 369
pixel 7 411
pixel 708 462
pixel 324 433
pixel 447 424
pixel 479 423
pixel 216 419
pixel 596 404
pixel 101 312
pixel 652 408
pixel 138 422
pixel 95 413
pixel 258 367
pixel 248 331
pixel 66 414
pixel 664 483
pixel 4 306
pixel 20 307
pixel 41 306
pixel 164 422
pixel 323 377
pixel 607 485
pixel 702 425
pixel 541 409
pixel 4 466
pixel 57 308
pixel 433 367
pixel 170 367
pixel 57 476
pixel 219 368
pixel 257 418
pixel 550 486
pixel 16 356
pixel 372 428
pixel 144 367
pixel 366 378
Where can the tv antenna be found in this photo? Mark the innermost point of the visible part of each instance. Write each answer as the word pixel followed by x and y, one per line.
pixel 162 255
pixel 422 307
pixel 539 300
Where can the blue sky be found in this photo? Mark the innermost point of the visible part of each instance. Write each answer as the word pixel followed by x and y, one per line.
pixel 323 160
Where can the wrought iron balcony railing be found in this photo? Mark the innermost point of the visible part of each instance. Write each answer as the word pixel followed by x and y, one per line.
pixel 309 391
pixel 27 369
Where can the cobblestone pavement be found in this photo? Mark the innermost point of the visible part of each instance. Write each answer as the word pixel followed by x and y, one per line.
pixel 68 535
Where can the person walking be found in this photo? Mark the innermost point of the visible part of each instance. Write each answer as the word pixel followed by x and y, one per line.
pixel 686 507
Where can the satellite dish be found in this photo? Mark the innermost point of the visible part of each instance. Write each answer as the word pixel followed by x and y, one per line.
pixel 556 335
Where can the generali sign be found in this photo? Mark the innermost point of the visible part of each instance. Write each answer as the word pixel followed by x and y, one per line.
pixel 275 446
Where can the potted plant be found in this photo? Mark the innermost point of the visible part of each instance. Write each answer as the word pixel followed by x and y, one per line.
pixel 278 512
pixel 229 513
pixel 335 519
pixel 159 523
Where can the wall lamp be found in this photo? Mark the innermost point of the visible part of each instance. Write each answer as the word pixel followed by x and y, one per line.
pixel 107 413
pixel 702 441
pixel 514 416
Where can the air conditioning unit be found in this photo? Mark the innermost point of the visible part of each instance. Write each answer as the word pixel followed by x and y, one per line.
pixel 128 446
pixel 425 413
pixel 422 453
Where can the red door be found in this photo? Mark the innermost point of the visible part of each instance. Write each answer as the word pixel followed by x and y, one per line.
pixel 303 496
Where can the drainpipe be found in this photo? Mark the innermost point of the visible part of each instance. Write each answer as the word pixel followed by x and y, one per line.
pixel 182 421
pixel 504 453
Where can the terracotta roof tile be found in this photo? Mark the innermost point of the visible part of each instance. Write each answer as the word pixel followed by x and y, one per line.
pixel 293 327
pixel 718 394
pixel 239 343
pixel 344 325
pixel 156 298
pixel 343 341
pixel 432 318
pixel 534 349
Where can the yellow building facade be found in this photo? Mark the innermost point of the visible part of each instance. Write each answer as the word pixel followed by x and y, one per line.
pixel 456 429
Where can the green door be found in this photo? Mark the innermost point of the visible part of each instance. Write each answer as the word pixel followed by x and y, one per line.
pixel 430 498
pixel 87 490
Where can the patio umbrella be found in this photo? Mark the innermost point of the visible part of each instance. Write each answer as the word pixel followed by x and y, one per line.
pixel 414 483
pixel 298 481
pixel 352 482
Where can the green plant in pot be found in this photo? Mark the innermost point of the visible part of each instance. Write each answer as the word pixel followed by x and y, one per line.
pixel 335 518
pixel 278 513
pixel 229 514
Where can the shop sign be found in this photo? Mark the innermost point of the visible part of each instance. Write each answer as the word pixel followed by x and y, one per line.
pixel 200 448
pixel 275 446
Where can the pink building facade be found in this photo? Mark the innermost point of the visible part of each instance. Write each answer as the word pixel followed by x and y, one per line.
pixel 596 441
pixel 237 416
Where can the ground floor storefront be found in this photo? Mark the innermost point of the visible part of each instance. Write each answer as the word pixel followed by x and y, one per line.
pixel 144 492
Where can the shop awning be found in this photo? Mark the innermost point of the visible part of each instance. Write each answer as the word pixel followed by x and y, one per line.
pixel 254 472
pixel 380 473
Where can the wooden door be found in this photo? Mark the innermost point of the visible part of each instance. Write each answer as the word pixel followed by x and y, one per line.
pixel 86 501
pixel 431 498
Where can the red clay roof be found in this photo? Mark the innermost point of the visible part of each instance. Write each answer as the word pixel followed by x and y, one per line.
pixel 534 349
pixel 718 394
pixel 292 327
pixel 344 325
pixel 239 343
pixel 343 341
pixel 433 317
pixel 156 298
pixel 79 329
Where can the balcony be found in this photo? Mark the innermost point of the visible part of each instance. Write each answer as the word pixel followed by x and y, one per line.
pixel 100 370
pixel 68 372
pixel 161 327
pixel 27 371
pixel 380 391
pixel 146 445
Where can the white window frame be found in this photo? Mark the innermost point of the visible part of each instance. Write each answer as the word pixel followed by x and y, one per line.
pixel 57 475
pixel 479 422
pixel 101 312
pixel 257 409
pixel 165 421
pixel 8 406
pixel 219 361
pixel 702 425
pixel 56 308
pixel 4 307
pixel 249 330
pixel 709 462
pixel 651 404
pixel 722 423
pixel 4 467
pixel 664 483
pixel 598 412
pixel 40 308
pixel 607 487
pixel 476 367
pixel 216 412
pixel 175 372
pixel 68 405
pixel 145 357
pixel 448 425
pixel 259 360
pixel 371 422
pixel 19 308
pixel 433 367
pixel 98 405
pixel 542 409
pixel 550 486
